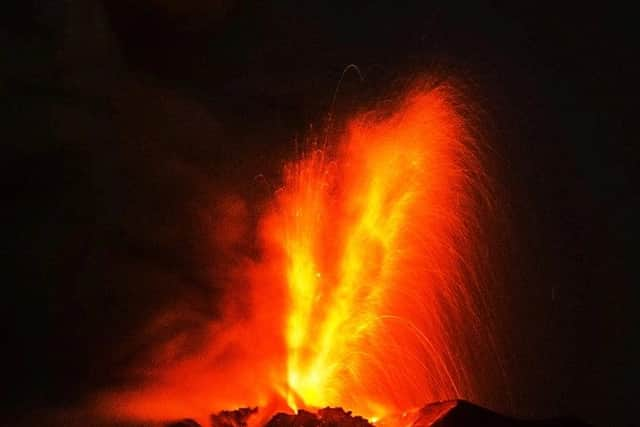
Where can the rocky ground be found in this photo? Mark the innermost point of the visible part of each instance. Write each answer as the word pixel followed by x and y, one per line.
pixel 455 413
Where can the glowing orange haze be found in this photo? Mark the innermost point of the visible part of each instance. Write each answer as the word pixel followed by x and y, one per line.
pixel 366 295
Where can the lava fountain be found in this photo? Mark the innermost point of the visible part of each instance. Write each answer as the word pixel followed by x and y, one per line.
pixel 377 242
pixel 369 292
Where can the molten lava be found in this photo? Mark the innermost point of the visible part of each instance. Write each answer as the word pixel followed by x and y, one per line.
pixel 375 241
pixel 367 294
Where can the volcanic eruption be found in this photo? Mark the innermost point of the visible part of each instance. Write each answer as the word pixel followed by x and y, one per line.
pixel 369 291
pixel 175 253
pixel 369 294
pixel 375 240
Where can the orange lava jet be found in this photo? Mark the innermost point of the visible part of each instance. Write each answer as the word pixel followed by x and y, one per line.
pixel 375 243
pixel 368 293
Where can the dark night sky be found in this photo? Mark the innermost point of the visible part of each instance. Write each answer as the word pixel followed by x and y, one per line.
pixel 118 129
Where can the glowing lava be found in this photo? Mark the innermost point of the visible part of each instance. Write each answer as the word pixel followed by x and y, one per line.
pixel 376 241
pixel 368 293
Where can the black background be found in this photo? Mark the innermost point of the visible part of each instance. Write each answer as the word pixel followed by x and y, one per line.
pixel 120 123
